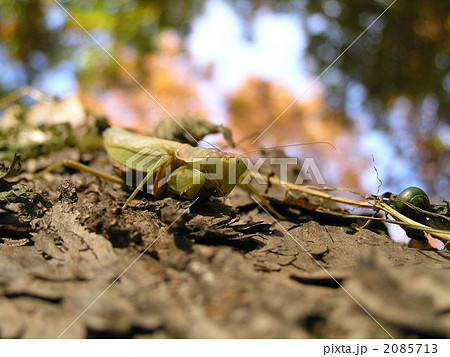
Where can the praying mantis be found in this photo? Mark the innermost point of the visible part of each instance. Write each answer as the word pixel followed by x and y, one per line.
pixel 187 171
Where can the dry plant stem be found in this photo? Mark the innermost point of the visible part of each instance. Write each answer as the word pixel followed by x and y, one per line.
pixel 402 220
pixel 445 235
pixel 319 193
pixel 372 218
pixel 338 189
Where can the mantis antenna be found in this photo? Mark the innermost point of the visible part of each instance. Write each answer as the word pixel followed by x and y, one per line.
pixel 291 145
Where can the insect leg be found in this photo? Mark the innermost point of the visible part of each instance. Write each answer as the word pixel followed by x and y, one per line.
pixel 138 188
pixel 160 170
pixel 157 189
pixel 81 167
pixel 264 201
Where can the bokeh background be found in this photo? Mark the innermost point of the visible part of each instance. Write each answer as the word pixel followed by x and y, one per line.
pixel 242 62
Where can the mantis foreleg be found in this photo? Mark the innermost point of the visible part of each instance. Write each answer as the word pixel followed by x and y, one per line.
pixel 264 201
pixel 156 188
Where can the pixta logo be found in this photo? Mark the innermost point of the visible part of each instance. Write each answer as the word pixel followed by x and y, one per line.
pixel 231 169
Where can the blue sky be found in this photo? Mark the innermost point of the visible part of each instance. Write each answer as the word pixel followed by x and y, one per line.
pixel 274 52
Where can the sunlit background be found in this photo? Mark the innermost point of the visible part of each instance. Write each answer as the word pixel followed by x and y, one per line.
pixel 243 62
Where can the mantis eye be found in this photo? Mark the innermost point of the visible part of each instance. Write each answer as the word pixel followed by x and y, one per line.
pixel 218 192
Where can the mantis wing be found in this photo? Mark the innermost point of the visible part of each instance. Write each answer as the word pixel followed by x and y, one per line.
pixel 135 151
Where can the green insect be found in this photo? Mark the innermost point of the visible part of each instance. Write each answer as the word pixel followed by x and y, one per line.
pixel 187 171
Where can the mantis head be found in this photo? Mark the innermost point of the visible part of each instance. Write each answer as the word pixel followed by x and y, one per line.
pixel 206 172
pixel 223 171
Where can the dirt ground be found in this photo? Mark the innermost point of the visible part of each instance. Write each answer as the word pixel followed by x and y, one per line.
pixel 223 269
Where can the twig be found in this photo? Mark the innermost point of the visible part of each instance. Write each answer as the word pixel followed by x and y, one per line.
pixel 375 205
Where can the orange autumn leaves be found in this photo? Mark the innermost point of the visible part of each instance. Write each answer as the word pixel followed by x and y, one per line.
pixel 167 74
pixel 255 105
pixel 171 76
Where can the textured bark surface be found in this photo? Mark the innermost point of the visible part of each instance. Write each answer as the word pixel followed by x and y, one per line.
pixel 222 269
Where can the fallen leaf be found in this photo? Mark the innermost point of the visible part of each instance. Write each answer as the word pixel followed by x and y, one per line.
pixel 190 130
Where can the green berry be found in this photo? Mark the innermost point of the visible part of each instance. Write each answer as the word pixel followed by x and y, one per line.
pixel 416 197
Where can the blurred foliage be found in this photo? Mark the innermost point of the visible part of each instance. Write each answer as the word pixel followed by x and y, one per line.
pixel 401 65
pixel 403 62
pixel 47 126
pixel 38 35
pixel 406 52
pixel 171 78
pixel 17 193
pixel 13 170
pixel 255 105
pixel 21 133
